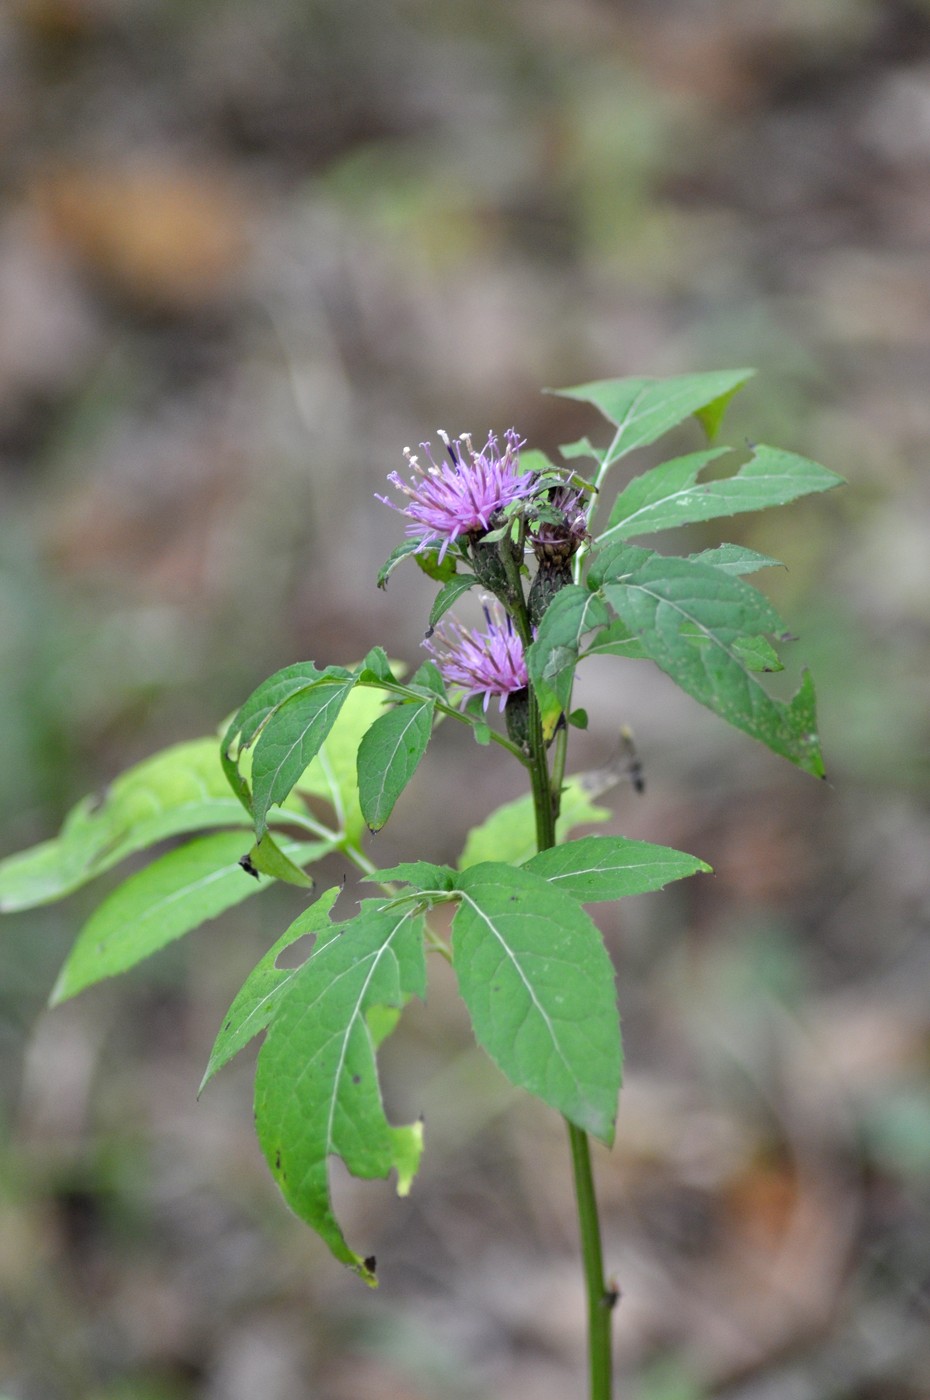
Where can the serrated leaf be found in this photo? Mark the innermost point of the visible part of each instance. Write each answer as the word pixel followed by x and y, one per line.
pixel 509 833
pixel 316 1085
pixel 291 738
pixel 552 657
pixel 671 495
pixel 254 1004
pixel 160 903
pixel 388 756
pixel 421 874
pixel 179 790
pixel 757 654
pixel 268 697
pixel 616 639
pixel 403 551
pixel 539 987
pixel 643 409
pixel 448 595
pixel 595 868
pixel 688 618
pixel 376 667
pixel 427 679
pixel 734 559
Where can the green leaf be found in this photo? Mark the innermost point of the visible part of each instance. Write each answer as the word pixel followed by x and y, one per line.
pixel 255 1002
pixel 734 559
pixel 403 551
pixel 552 657
pixel 388 756
pixel 616 639
pixel 539 987
pixel 268 697
pixel 757 654
pixel 644 409
pixel 267 858
pixel 291 738
pixel 671 495
pixel 596 868
pixel 509 833
pixel 316 1086
pixel 448 595
pixel 427 680
pixel 376 667
pixel 440 572
pixel 690 618
pixel 419 873
pixel 179 790
pixel 152 908
pixel 332 775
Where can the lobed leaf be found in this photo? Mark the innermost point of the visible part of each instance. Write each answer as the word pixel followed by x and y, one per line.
pixel 595 868
pixel 157 905
pixel 693 621
pixel 421 874
pixel 539 987
pixel 644 409
pixel 388 757
pixel 316 1085
pixel 254 1004
pixel 671 495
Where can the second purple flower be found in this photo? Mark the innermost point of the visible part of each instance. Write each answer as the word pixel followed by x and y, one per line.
pixel 488 663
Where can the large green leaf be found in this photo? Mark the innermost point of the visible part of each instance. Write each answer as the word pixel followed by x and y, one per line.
pixel 539 987
pixel 173 895
pixel 388 756
pixel 291 738
pixel 178 790
pixel 255 1002
pixel 643 409
pixel 316 1086
pixel 509 833
pixel 596 868
pixel 672 495
pixel 333 774
pixel 693 621
pixel 551 658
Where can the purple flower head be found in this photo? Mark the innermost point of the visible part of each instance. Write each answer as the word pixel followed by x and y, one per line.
pixel 491 662
pixel 460 496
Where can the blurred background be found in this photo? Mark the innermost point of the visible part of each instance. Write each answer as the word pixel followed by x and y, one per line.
pixel 250 251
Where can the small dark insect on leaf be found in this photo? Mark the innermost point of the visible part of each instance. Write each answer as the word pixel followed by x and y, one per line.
pixel 634 763
pixel 246 863
pixel 371 1263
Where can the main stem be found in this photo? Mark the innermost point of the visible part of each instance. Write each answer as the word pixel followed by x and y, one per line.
pixel 600 1295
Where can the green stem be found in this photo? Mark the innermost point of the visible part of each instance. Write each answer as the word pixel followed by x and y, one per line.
pixel 600 1296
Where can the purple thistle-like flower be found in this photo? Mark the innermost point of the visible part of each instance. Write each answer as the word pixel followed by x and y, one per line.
pixel 491 662
pixel 460 496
